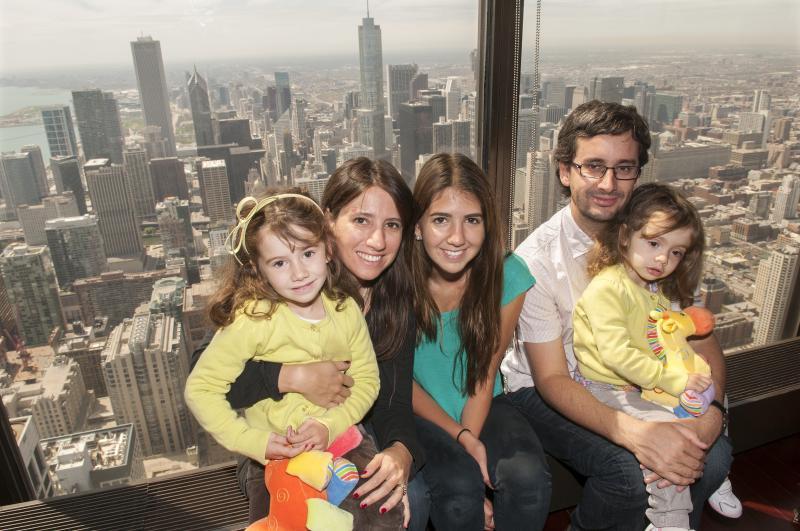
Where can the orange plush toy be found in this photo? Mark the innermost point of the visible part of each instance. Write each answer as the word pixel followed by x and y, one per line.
pixel 287 500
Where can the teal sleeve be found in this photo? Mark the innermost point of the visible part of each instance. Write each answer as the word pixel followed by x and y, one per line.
pixel 517 278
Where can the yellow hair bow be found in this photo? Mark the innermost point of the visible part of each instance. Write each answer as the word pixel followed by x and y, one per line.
pixel 236 238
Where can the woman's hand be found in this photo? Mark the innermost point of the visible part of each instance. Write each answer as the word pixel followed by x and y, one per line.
pixel 698 382
pixel 323 383
pixel 388 475
pixel 279 447
pixel 488 515
pixel 477 450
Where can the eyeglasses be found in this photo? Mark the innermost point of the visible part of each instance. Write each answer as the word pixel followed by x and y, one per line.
pixel 593 170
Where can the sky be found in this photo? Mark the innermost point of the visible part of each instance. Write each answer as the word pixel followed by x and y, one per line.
pixel 42 34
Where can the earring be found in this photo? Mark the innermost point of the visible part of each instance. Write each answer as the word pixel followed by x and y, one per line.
pixel 418 237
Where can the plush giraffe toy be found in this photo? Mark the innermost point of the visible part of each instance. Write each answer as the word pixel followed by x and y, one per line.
pixel 667 331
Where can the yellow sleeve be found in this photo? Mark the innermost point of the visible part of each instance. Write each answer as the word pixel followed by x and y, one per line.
pixel 364 371
pixel 608 317
pixel 218 367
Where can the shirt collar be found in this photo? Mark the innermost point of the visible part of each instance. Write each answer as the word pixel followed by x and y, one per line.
pixel 579 242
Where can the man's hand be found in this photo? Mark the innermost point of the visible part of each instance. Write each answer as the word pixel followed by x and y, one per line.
pixel 670 449
pixel 323 383
pixel 312 435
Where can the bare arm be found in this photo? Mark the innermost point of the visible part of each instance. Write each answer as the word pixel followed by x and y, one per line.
pixel 477 407
pixel 670 449
pixel 426 407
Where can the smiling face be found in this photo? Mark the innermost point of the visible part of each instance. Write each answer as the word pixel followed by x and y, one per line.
pixel 368 232
pixel 295 269
pixel 594 202
pixel 452 231
pixel 649 257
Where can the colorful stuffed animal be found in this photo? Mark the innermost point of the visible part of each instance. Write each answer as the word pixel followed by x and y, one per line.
pixel 667 332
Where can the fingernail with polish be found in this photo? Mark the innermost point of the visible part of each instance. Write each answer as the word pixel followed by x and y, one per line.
pixel 356 495
pixel 383 510
pixel 363 505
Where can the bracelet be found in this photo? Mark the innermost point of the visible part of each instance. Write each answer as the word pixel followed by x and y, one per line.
pixel 461 433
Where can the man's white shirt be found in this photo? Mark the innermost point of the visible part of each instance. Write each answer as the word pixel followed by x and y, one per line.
pixel 556 254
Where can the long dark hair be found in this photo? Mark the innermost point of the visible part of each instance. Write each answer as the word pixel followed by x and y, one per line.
pixel 390 306
pixel 241 282
pixel 612 245
pixel 479 314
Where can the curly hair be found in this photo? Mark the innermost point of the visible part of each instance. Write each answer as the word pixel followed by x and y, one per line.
pixel 242 284
pixel 612 244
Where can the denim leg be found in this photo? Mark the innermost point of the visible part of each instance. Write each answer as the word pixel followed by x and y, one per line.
pixel 420 501
pixel 614 495
pixel 517 467
pixel 250 476
pixel 718 464
pixel 453 479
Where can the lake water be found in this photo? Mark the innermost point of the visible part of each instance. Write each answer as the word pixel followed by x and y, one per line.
pixel 13 99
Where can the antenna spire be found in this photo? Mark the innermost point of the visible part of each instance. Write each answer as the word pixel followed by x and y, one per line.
pixel 367 8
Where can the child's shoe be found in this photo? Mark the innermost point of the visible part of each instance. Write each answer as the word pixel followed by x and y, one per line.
pixel 725 502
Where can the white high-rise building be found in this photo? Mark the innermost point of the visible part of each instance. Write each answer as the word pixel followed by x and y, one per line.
pixel 34 217
pixel 370 53
pixel 145 367
pixel 152 84
pixel 140 182
pixel 214 190
pixel 761 100
pixel 782 267
pixel 452 94
pixel 786 199
pixel 442 136
pixel 27 437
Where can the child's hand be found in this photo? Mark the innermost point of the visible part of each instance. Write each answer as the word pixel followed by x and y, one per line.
pixel 312 434
pixel 279 447
pixel 698 382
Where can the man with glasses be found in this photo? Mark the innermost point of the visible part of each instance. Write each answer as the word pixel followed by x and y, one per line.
pixel 601 149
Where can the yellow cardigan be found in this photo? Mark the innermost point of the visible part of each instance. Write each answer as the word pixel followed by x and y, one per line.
pixel 284 338
pixel 610 334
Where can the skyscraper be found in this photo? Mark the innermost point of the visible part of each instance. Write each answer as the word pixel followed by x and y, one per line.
pixel 608 89
pixel 201 110
pixel 786 199
pixel 778 286
pixel 18 182
pixel 32 289
pixel 152 83
pixel 462 130
pixel 452 94
pixel 398 78
pixel 283 96
pixel 35 154
pixel 59 130
pixel 32 218
pixel 370 54
pixel 113 205
pixel 169 178
pixel 442 132
pixel 761 100
pixel 97 117
pixel 137 176
pixel 67 176
pixel 213 177
pixel 76 247
pixel 415 123
pixel 145 367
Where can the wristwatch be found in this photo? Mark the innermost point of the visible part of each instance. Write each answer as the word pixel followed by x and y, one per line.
pixel 717 404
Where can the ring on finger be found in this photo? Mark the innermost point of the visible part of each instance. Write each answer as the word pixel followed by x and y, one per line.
pixel 403 487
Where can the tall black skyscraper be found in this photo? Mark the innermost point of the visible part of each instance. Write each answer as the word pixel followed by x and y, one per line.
pixel 416 136
pixel 67 175
pixel 97 116
pixel 201 110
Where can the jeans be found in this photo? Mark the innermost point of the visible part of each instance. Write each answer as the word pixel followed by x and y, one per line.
pixel 614 495
pixel 517 469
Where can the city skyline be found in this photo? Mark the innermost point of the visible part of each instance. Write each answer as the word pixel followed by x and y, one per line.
pixel 211 30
